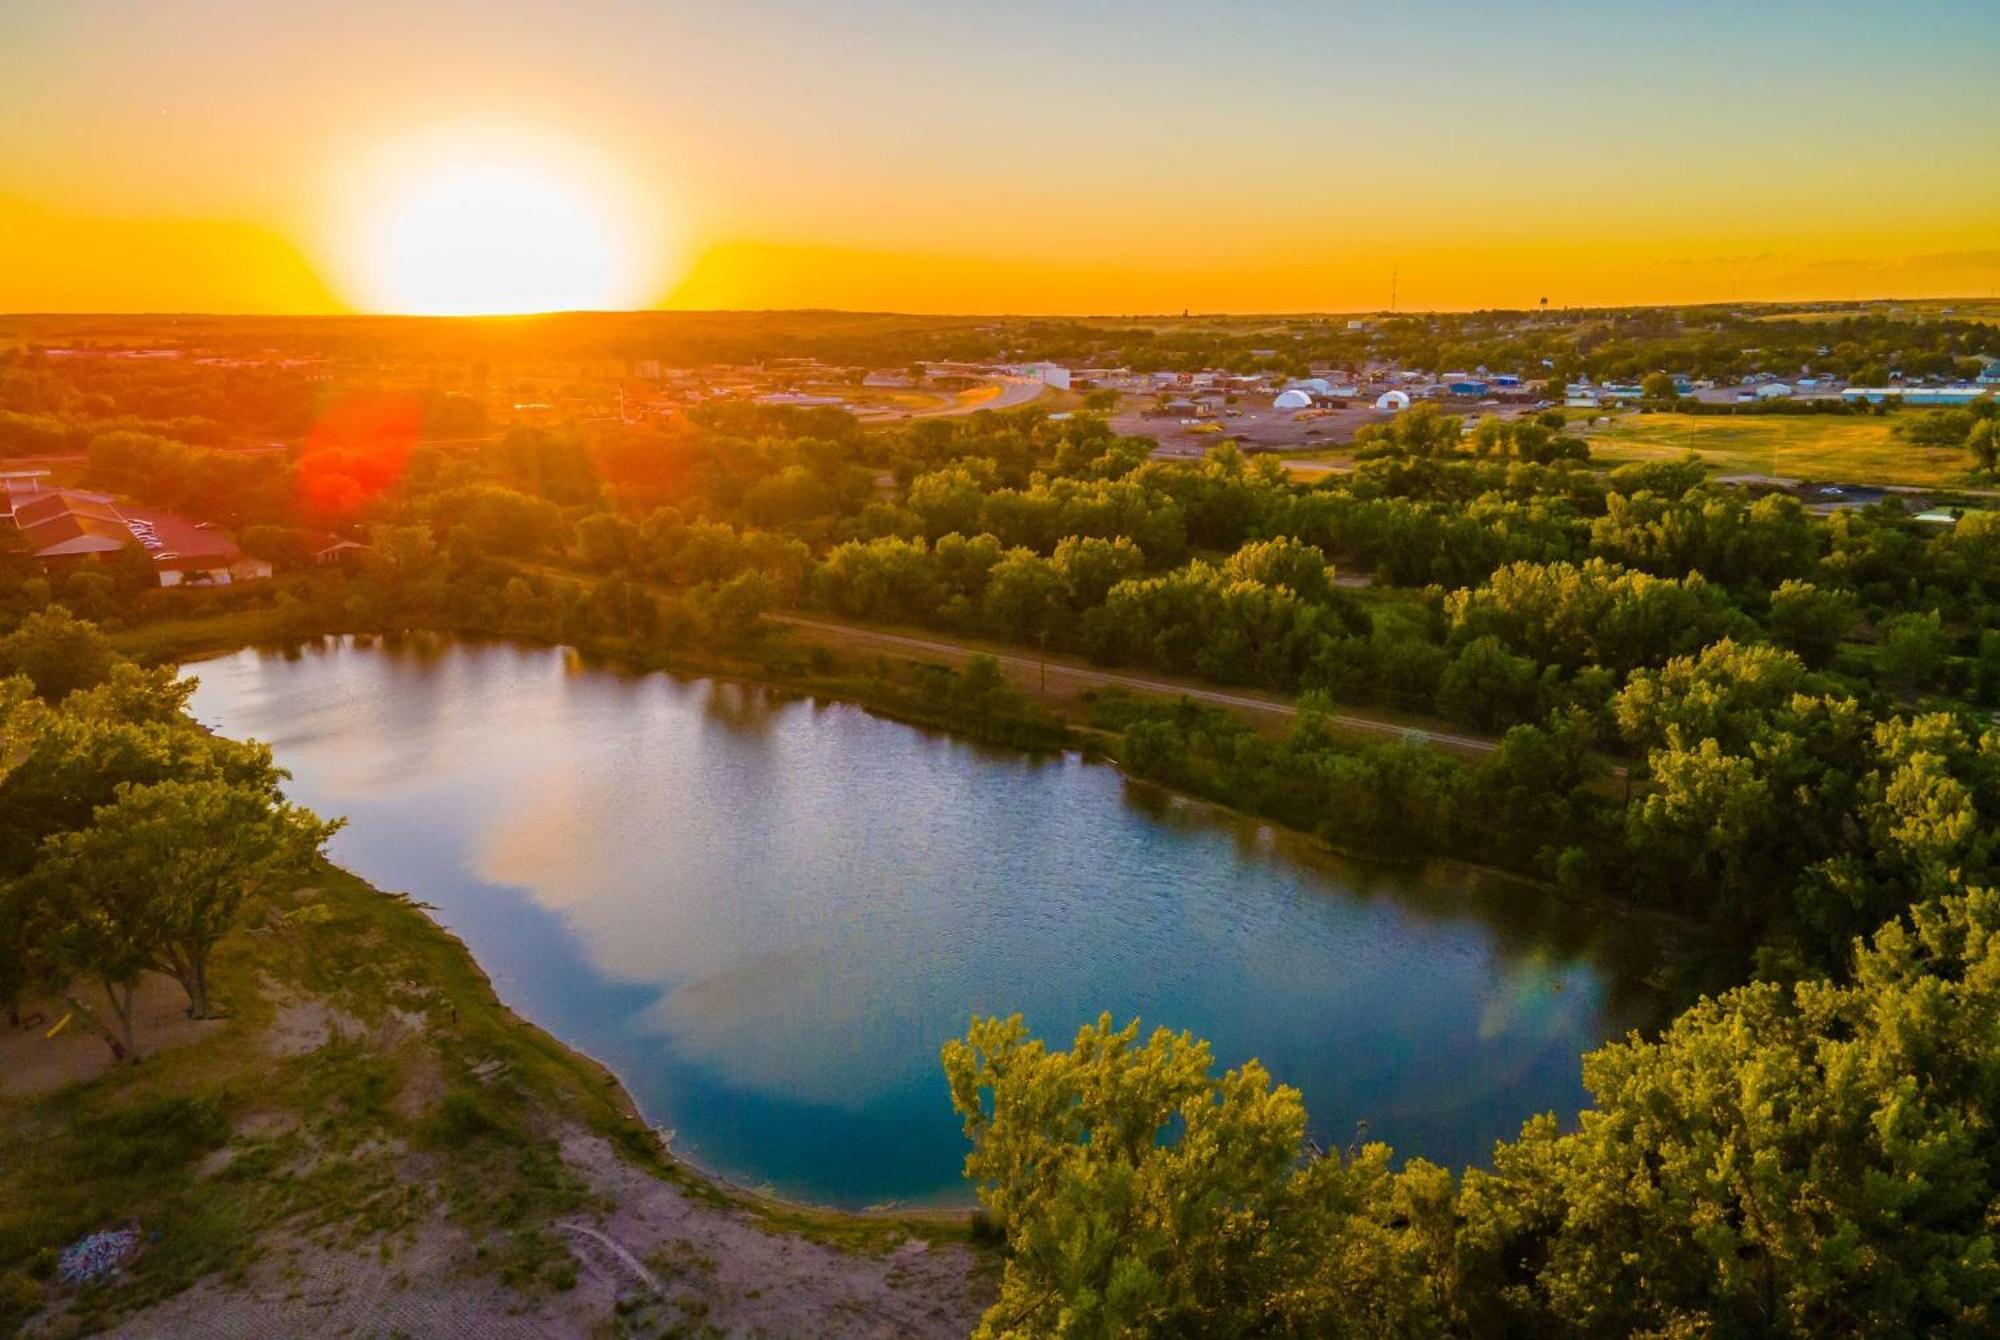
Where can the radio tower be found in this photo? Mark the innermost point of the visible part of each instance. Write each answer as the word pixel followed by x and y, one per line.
pixel 1392 289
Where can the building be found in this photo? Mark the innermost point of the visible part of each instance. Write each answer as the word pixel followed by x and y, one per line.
pixel 19 486
pixel 1393 400
pixel 338 553
pixel 1774 391
pixel 1929 397
pixel 60 524
pixel 64 528
pixel 1048 374
pixel 1293 399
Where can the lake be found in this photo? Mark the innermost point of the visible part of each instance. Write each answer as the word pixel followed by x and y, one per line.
pixel 767 914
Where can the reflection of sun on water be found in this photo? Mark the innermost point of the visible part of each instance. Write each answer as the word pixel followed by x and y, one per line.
pixel 461 224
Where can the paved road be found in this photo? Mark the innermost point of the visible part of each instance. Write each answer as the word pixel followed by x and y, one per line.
pixel 1014 392
pixel 1166 688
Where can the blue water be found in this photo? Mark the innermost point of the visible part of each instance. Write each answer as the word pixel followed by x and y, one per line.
pixel 766 915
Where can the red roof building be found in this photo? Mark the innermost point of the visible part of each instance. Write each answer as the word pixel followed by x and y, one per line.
pixel 63 526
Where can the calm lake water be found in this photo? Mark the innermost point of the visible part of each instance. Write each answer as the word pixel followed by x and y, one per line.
pixel 766 914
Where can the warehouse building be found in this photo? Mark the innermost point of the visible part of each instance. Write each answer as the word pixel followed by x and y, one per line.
pixel 64 528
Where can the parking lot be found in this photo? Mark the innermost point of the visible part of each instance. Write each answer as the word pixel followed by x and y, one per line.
pixel 1253 424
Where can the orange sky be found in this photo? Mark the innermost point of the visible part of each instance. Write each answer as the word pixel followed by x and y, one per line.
pixel 1033 157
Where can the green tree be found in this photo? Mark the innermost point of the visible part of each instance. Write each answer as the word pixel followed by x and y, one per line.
pixel 58 652
pixel 1025 597
pixel 1141 1194
pixel 1803 1160
pixel 605 542
pixel 1913 648
pixel 161 873
pixel 1800 1161
pixel 1811 620
pixel 1487 687
pixel 1982 441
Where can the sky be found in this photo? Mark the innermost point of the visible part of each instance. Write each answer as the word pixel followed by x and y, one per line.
pixel 1093 156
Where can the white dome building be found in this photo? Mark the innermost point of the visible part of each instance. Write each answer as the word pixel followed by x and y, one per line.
pixel 1292 399
pixel 1393 400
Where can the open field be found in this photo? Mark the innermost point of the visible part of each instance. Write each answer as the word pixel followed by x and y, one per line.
pixel 1841 450
pixel 1934 309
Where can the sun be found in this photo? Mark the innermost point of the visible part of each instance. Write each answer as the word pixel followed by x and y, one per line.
pixel 465 225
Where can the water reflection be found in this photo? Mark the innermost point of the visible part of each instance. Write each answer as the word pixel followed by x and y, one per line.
pixel 767 914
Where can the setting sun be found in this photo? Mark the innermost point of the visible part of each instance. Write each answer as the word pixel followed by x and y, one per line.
pixel 457 227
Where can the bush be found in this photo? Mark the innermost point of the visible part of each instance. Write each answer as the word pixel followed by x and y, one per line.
pixel 160 1135
pixel 462 1117
pixel 20 1299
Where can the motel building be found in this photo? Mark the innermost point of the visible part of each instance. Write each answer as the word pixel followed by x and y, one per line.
pixel 64 528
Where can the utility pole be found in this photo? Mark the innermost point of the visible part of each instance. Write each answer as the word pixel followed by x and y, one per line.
pixel 1044 692
pixel 1394 275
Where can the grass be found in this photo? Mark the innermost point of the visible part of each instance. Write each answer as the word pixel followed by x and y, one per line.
pixel 178 639
pixel 1792 446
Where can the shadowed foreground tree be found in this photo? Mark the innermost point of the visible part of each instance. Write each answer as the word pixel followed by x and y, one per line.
pixel 158 877
pixel 1818 1159
pixel 185 855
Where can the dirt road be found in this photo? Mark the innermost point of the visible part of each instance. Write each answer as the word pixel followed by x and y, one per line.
pixel 1063 669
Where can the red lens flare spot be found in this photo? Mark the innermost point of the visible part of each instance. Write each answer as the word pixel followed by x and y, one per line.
pixel 357 450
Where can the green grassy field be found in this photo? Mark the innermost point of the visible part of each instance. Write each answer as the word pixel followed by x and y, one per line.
pixel 1840 450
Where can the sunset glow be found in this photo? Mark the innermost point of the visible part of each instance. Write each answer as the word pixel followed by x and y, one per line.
pixel 456 224
pixel 1037 157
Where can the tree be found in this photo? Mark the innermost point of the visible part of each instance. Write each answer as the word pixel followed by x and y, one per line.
pixel 1488 687
pixel 605 542
pixel 1025 596
pixel 1982 440
pixel 1704 826
pixel 23 960
pixel 1724 693
pixel 1803 1160
pixel 76 760
pixel 161 873
pixel 1658 386
pixel 58 652
pixel 1143 1195
pixel 1809 1160
pixel 1913 650
pixel 1811 620
pixel 734 610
